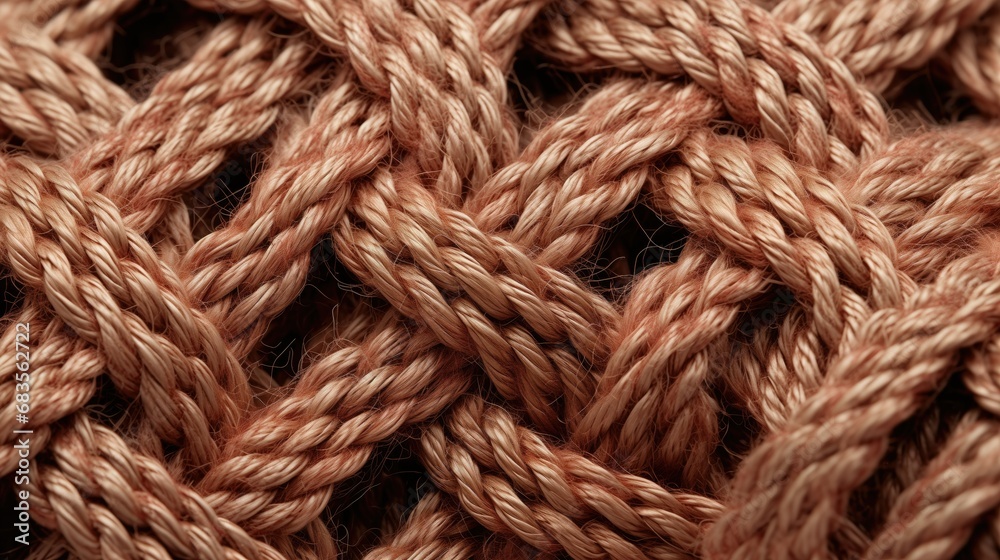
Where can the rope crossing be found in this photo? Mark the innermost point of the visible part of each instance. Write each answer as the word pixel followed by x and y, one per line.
pixel 587 279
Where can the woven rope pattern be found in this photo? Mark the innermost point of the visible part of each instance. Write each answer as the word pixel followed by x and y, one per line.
pixel 420 279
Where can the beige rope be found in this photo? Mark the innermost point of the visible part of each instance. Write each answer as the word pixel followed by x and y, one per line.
pixel 342 245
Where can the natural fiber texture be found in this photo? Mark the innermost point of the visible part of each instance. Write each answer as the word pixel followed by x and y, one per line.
pixel 394 279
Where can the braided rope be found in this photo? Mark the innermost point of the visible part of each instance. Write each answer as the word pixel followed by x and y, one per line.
pixel 401 272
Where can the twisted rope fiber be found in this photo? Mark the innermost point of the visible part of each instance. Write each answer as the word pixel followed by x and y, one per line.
pixel 355 279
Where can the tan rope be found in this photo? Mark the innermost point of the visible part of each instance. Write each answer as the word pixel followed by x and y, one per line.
pixel 356 279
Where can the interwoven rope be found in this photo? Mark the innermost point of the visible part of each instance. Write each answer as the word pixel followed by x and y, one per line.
pixel 504 279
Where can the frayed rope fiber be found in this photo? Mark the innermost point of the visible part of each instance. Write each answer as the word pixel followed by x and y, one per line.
pixel 502 279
